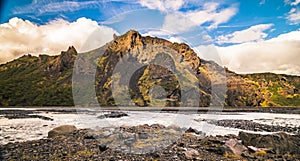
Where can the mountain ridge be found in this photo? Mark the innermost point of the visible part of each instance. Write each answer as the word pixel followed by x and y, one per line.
pixel 50 77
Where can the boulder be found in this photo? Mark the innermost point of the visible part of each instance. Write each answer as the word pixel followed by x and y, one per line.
pixel 61 130
pixel 233 146
pixel 281 143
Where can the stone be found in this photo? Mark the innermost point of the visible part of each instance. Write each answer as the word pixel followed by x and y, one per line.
pixel 233 146
pixel 281 143
pixel 103 148
pixel 192 130
pixel 61 130
pixel 143 135
pixel 191 154
pixel 113 114
pixel 255 149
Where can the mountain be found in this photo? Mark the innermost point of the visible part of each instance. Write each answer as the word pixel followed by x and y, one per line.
pixel 153 71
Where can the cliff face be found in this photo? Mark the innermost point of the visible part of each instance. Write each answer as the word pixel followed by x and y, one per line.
pixel 154 71
pixel 160 61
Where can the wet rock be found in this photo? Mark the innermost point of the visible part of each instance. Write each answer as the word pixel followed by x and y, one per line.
pixel 61 130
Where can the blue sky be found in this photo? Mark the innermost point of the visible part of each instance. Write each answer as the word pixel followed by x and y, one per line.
pixel 217 28
pixel 249 13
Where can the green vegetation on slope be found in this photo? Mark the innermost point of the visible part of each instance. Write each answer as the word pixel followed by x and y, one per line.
pixel 47 80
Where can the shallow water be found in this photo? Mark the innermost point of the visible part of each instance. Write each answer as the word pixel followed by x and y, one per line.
pixel 12 130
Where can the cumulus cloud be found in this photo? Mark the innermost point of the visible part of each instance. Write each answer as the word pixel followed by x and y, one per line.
pixel 162 5
pixel 278 55
pixel 19 37
pixel 254 33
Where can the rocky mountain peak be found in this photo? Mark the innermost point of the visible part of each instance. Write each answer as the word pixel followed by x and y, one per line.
pixel 51 77
pixel 63 62
pixel 72 50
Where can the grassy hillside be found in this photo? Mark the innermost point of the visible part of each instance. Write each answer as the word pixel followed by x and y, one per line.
pixel 47 80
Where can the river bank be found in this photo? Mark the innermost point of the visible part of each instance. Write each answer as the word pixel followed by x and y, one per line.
pixel 70 143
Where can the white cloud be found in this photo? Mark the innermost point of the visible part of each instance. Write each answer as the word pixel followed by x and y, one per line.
pixel 290 36
pixel 254 33
pixel 262 2
pixel 19 37
pixel 209 52
pixel 162 5
pixel 42 7
pixel 213 14
pixel 295 3
pixel 175 39
pixel 279 55
pixel 292 2
pixel 294 16
pixel 178 22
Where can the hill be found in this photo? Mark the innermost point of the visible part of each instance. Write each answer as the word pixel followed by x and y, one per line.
pixel 141 65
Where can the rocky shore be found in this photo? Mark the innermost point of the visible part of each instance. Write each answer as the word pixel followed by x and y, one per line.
pixel 253 126
pixel 152 142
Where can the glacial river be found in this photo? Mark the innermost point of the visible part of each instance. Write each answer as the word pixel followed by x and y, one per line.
pixel 13 130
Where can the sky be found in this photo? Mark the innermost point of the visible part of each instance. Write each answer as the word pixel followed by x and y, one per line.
pixel 247 36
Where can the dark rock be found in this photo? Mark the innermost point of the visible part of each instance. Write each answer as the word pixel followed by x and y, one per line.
pixel 89 137
pixel 143 135
pixel 155 155
pixel 181 144
pixel 191 130
pixel 103 148
pixel 253 126
pixel 113 115
pixel 281 143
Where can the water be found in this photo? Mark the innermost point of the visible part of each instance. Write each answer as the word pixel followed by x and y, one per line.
pixel 12 130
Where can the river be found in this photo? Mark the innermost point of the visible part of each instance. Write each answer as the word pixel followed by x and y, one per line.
pixel 22 129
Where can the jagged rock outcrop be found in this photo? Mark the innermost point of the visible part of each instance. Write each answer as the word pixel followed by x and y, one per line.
pixel 159 60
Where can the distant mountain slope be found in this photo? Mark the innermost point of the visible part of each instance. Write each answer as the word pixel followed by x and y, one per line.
pixel 38 81
pixel 47 80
